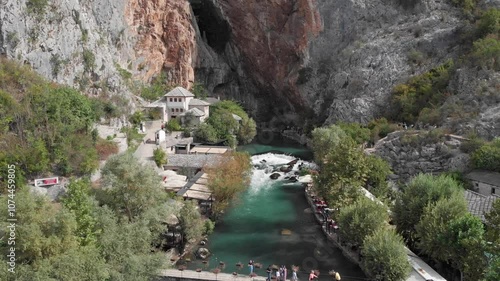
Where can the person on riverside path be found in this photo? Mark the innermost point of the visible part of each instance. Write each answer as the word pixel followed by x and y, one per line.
pixel 269 271
pixel 312 275
pixel 250 265
pixel 278 276
pixel 284 273
pixel 294 275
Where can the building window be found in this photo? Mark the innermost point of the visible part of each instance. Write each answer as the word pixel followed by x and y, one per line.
pixel 182 109
pixel 180 99
pixel 170 99
pixel 493 190
pixel 176 110
pixel 175 99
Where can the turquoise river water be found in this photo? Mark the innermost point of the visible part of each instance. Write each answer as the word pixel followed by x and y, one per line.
pixel 251 229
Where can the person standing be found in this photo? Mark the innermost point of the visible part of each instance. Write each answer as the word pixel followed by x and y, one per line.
pixel 294 275
pixel 284 273
pixel 312 275
pixel 269 271
pixel 250 265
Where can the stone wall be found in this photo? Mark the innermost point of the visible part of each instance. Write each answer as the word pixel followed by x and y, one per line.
pixel 412 152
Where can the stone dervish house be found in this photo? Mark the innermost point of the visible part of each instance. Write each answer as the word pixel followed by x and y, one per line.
pixel 181 103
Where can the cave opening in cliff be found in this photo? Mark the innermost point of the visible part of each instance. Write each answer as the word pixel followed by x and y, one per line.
pixel 213 27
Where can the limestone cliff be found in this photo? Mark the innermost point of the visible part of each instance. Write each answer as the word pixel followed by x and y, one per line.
pixel 100 45
pixel 292 62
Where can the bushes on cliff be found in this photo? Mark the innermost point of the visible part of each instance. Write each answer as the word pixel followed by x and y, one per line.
pixel 45 127
pixel 487 157
pixel 420 92
pixel 380 128
pixel 487 52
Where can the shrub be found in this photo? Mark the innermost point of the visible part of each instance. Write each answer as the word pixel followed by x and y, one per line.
pixel 36 6
pixel 416 57
pixel 489 23
pixel 105 148
pixel 173 125
pixel 487 52
pixel 487 157
pixel 88 60
pixel 160 157
pixel 380 128
pixel 199 91
pixel 136 118
pixel 209 227
pixel 422 91
pixel 206 132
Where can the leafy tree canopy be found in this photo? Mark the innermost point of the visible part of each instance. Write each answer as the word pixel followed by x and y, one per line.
pixel 385 256
pixel 422 190
pixel 361 219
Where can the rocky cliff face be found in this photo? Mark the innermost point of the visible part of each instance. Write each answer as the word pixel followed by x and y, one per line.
pixel 294 60
pixel 100 44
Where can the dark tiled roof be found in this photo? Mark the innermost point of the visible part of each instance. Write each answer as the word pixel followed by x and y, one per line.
pixel 479 204
pixel 179 92
pixel 195 102
pixel 488 177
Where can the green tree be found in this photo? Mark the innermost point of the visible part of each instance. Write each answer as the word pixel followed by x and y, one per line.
pixel 345 169
pixel 434 223
pixel 487 157
pixel 126 247
pixel 173 125
pixel 160 157
pixel 361 219
pixel 206 132
pixel 78 201
pixel 385 256
pixel 247 131
pixel 378 171
pixel 422 190
pixel 358 133
pixel 136 118
pixel 199 91
pixel 493 224
pixel 191 221
pixel 131 188
pixel 324 140
pixel 43 231
pixel 223 123
pixel 228 177
pixel 464 237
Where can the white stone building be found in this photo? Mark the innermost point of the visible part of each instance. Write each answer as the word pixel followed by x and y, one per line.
pixel 485 182
pixel 180 102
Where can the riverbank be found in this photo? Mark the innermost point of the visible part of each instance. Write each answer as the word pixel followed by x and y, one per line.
pixel 331 234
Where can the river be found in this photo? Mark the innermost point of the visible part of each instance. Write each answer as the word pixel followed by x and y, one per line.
pixel 251 228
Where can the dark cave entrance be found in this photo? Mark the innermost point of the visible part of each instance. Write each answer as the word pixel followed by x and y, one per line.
pixel 213 27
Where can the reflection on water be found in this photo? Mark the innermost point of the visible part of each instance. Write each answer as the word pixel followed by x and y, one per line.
pixel 252 229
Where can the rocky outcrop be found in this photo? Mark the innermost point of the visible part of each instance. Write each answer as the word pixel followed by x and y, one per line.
pixel 101 45
pixel 475 103
pixel 412 152
pixel 165 39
